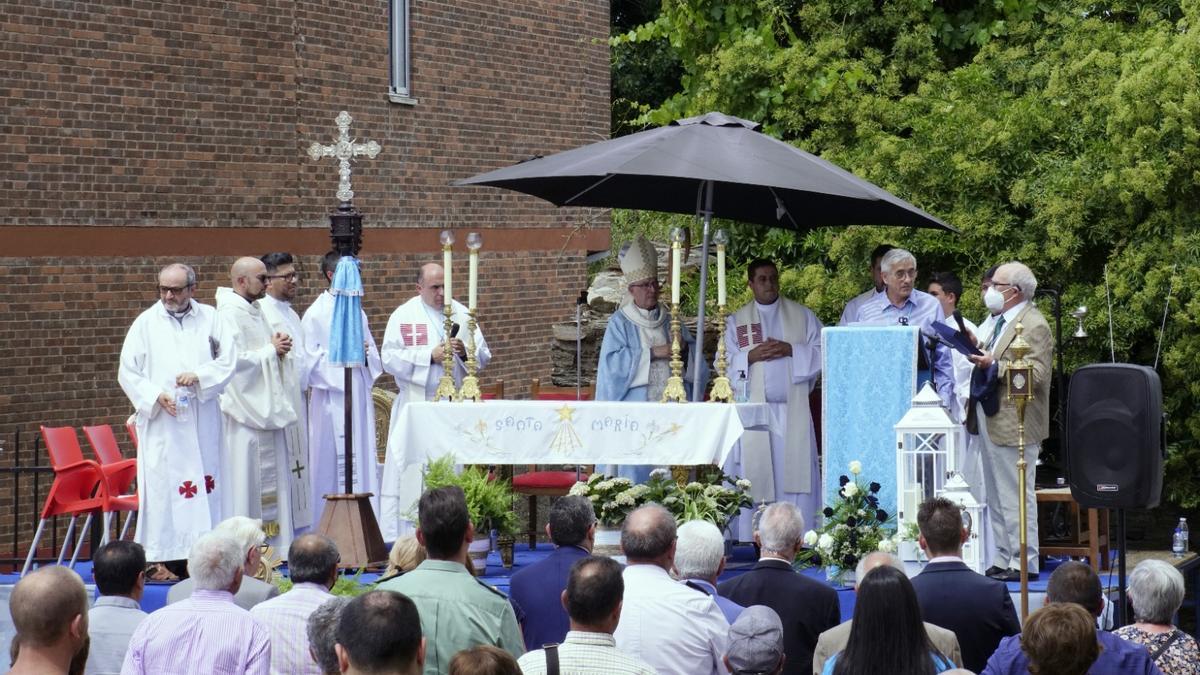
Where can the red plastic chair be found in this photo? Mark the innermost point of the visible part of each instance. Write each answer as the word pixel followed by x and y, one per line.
pixel 77 489
pixel 119 474
pixel 534 483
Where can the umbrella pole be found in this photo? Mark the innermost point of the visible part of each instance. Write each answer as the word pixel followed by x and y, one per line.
pixel 348 449
pixel 698 357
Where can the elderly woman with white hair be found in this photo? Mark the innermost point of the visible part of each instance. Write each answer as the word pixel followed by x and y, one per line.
pixel 1156 592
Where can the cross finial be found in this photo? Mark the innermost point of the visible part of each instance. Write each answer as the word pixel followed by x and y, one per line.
pixel 344 149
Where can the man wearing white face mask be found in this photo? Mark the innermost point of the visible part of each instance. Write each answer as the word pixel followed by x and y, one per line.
pixel 1008 299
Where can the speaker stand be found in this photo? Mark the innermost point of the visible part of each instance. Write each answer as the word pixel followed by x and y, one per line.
pixel 1121 566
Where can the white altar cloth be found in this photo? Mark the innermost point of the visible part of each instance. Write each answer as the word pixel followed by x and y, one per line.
pixel 560 432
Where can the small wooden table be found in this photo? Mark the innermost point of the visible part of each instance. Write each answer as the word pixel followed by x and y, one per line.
pixel 1091 542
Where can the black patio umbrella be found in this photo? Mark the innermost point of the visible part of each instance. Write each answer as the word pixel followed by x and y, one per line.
pixel 713 165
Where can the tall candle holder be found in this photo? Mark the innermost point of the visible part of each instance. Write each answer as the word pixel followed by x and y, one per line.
pixel 674 391
pixel 445 389
pixel 722 390
pixel 470 385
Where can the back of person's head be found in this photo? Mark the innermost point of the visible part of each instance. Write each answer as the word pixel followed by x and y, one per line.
pixel 48 605
pixel 699 551
pixel 444 519
pixel 484 660
pixel 247 532
pixel 1060 639
pixel 322 633
pixel 215 560
pixel 117 565
pixel 940 522
pixel 312 558
pixel 380 632
pixel 594 590
pixel 1155 591
pixel 648 533
pixel 877 559
pixel 1076 582
pixel 570 519
pixel 329 263
pixel 405 555
pixel 949 282
pixel 780 527
pixel 755 642
pixel 887 635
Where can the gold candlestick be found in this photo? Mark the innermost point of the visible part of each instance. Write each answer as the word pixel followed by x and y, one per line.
pixel 674 389
pixel 721 389
pixel 445 389
pixel 1019 377
pixel 470 385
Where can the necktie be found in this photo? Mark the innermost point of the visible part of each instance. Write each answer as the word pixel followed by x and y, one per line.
pixel 996 333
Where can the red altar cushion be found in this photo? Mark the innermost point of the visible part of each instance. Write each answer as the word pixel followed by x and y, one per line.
pixel 562 480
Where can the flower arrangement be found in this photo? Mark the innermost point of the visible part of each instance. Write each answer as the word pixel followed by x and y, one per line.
pixel 854 527
pixel 714 496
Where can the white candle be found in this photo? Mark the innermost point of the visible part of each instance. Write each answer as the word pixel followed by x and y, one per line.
pixel 675 253
pixel 446 274
pixel 720 276
pixel 472 280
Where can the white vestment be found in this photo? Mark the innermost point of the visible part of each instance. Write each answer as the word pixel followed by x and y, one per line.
pixel 781 464
pixel 326 412
pixel 284 319
pixel 179 479
pixel 257 405
pixel 413 331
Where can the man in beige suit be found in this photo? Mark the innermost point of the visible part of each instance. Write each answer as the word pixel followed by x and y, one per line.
pixel 1008 298
pixel 834 640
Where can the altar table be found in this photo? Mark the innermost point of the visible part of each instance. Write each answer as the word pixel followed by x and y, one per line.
pixel 555 432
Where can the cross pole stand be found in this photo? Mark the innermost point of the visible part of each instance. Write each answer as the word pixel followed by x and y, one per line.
pixel 348 518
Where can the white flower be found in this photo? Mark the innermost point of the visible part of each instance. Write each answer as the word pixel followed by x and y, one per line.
pixel 622 482
pixel 743 484
pixel 694 486
pixel 661 474
pixel 856 467
pixel 670 500
pixel 862 514
pixel 887 545
pixel 579 489
pixel 624 499
pixel 825 543
pixel 850 489
pixel 810 538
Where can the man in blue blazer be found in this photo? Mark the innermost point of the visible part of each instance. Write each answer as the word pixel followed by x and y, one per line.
pixel 979 610
pixel 537 589
pixel 807 607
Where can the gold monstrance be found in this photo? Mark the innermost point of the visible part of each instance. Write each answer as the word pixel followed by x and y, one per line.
pixel 1019 378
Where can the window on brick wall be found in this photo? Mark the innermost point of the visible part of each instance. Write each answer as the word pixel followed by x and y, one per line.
pixel 401 69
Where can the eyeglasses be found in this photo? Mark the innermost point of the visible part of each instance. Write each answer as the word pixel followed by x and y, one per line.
pixel 173 289
pixel 262 278
pixel 646 285
pixel 905 274
pixel 290 276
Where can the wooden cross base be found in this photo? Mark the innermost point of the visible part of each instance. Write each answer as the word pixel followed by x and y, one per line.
pixel 350 522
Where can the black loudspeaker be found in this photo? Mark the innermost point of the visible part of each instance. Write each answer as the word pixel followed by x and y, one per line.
pixel 1115 440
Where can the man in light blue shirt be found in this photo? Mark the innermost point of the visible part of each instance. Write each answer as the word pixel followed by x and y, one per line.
pixel 901 304
pixel 119 570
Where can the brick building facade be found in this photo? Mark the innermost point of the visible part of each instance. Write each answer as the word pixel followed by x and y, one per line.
pixel 140 132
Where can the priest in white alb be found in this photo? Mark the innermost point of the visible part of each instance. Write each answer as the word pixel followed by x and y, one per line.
pixel 777 344
pixel 326 406
pixel 283 281
pixel 257 405
pixel 413 347
pixel 177 345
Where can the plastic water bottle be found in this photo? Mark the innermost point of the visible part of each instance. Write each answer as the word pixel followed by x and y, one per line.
pixel 183 404
pixel 741 393
pixel 1180 544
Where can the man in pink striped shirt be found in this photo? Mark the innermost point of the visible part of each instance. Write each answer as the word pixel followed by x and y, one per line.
pixel 312 566
pixel 206 633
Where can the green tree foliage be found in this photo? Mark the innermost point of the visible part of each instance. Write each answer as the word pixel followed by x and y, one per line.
pixel 1061 134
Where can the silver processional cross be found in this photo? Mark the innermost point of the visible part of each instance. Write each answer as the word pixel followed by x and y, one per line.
pixel 344 149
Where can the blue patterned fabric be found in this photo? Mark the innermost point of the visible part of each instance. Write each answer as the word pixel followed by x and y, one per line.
pixel 346 335
pixel 869 379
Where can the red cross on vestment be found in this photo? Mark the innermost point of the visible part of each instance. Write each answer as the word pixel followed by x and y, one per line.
pixel 188 489
pixel 414 334
pixel 746 337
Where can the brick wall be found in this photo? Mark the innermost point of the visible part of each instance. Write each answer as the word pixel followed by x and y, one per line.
pixel 138 133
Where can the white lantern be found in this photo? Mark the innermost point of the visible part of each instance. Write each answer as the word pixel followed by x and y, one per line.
pixel 957 491
pixel 926 452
